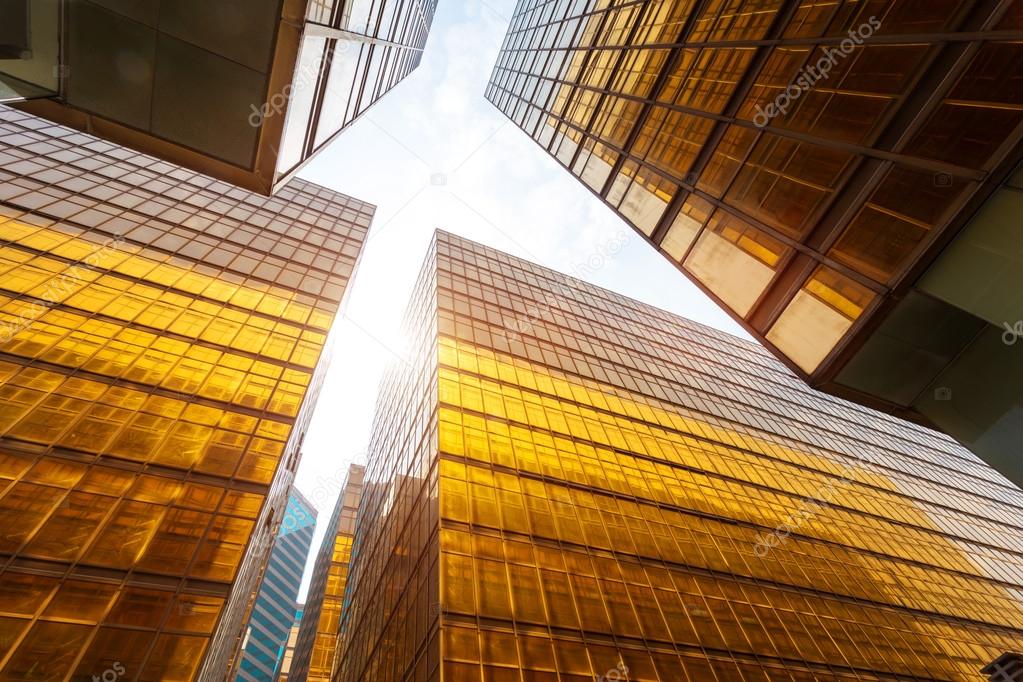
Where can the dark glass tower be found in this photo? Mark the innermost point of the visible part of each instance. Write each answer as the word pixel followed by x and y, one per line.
pixel 161 337
pixel 245 91
pixel 274 612
pixel 316 649
pixel 566 485
pixel 837 175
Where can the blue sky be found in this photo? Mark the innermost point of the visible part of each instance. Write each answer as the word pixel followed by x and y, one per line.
pixel 433 153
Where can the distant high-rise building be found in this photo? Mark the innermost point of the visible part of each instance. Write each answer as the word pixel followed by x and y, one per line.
pixel 838 176
pixel 566 484
pixel 245 91
pixel 273 613
pixel 289 650
pixel 161 337
pixel 316 650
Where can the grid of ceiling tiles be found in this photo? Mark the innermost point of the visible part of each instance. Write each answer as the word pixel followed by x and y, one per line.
pixel 726 131
pixel 593 521
pixel 608 506
pixel 338 78
pixel 160 332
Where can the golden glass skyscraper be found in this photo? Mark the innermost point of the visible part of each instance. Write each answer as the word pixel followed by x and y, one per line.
pixel 316 648
pixel 835 174
pixel 161 336
pixel 567 485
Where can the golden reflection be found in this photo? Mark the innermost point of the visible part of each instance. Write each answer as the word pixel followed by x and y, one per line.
pixel 577 504
pixel 145 403
pixel 819 316
pixel 316 651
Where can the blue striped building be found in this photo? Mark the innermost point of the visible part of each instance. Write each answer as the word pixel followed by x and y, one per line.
pixel 273 614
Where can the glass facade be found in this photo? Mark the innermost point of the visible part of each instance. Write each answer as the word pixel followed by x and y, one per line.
pixel 271 81
pixel 314 658
pixel 567 485
pixel 352 53
pixel 800 160
pixel 160 351
pixel 289 650
pixel 274 612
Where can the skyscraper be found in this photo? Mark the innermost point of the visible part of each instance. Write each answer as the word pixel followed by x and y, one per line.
pixel 289 649
pixel 566 484
pixel 161 337
pixel 316 650
pixel 274 611
pixel 245 91
pixel 835 175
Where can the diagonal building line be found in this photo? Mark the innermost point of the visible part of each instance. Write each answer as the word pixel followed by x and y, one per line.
pixel 399 142
pixel 480 146
pixel 376 232
pixel 493 225
pixel 380 342
pixel 495 11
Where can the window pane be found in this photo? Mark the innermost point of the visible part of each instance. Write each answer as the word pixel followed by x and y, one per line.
pixel 47 653
pixel 818 317
pixel 881 238
pixel 687 224
pixel 300 107
pixel 341 87
pixel 735 261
